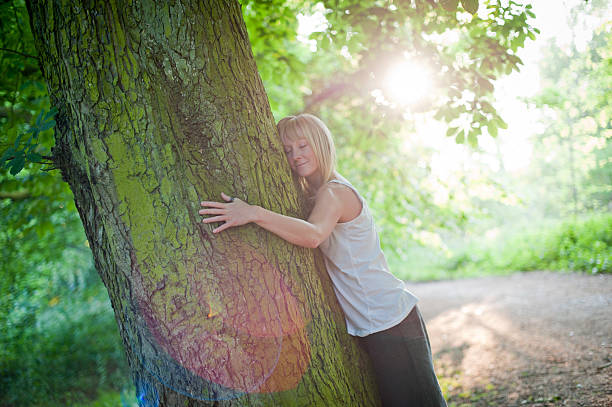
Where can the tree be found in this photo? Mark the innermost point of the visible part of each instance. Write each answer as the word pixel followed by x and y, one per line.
pixel 144 109
pixel 576 139
pixel 160 106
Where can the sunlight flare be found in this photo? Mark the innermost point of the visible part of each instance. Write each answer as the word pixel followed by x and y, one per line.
pixel 407 82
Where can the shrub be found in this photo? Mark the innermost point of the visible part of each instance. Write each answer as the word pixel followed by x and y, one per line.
pixel 580 244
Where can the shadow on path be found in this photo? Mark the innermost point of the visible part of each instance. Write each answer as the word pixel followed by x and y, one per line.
pixel 537 338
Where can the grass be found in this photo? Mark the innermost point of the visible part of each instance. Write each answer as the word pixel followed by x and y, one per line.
pixel 112 398
pixel 581 244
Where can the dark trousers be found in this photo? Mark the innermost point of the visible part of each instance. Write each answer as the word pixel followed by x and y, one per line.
pixel 401 357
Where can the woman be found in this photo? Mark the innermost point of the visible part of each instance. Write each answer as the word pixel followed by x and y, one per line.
pixel 378 309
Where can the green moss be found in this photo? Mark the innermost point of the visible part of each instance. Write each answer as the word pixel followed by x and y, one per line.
pixel 98 150
pixel 91 84
pixel 182 236
pixel 166 187
pixel 193 194
pixel 166 21
pixel 135 69
pixel 130 188
pixel 107 89
pixel 117 29
pixel 218 126
pixel 169 158
pixel 145 79
pixel 168 68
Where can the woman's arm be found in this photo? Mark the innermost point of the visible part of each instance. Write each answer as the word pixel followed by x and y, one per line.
pixel 311 233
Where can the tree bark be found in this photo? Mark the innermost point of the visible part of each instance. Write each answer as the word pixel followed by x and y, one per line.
pixel 161 106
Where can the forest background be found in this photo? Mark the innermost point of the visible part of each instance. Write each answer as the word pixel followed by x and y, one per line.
pixel 449 203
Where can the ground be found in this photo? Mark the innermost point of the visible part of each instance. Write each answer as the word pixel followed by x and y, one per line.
pixel 529 339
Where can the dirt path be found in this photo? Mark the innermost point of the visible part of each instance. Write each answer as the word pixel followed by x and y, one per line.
pixel 535 339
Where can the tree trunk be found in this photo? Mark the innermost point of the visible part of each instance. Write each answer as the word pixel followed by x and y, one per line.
pixel 160 107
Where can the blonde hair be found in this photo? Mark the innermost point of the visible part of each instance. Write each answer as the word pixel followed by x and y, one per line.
pixel 311 128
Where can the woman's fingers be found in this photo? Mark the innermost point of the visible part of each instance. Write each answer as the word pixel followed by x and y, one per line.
pixel 211 211
pixel 222 227
pixel 214 219
pixel 226 197
pixel 213 204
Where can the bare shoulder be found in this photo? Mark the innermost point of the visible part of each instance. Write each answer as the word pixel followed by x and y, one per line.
pixel 329 192
pixel 343 196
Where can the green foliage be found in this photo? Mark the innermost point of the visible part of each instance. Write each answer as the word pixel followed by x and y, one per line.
pixel 69 352
pixel 281 59
pixel 577 139
pixel 21 152
pixel 60 341
pixel 463 67
pixel 357 42
pixel 581 244
pixel 23 94
pixel 113 399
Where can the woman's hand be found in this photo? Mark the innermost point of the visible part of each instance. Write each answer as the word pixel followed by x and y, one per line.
pixel 234 213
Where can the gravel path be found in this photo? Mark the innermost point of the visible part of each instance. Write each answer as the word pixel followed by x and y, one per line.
pixel 536 339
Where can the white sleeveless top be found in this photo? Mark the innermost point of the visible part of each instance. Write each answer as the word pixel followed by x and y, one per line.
pixel 371 297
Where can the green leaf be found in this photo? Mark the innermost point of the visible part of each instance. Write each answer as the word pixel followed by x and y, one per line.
pixel 17 141
pixel 50 114
pixel 471 6
pixel 450 5
pixel 39 118
pixel 460 137
pixel 33 157
pixel 47 125
pixel 17 163
pixel 485 84
pixel 28 144
pixel 473 139
pixel 451 131
pixel 487 107
pixel 7 154
pixel 492 128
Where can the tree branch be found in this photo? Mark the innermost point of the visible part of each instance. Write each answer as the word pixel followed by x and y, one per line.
pixel 19 53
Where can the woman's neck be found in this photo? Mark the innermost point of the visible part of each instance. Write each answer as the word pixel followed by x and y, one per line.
pixel 315 181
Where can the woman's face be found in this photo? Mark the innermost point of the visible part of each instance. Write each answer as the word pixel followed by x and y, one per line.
pixel 301 157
